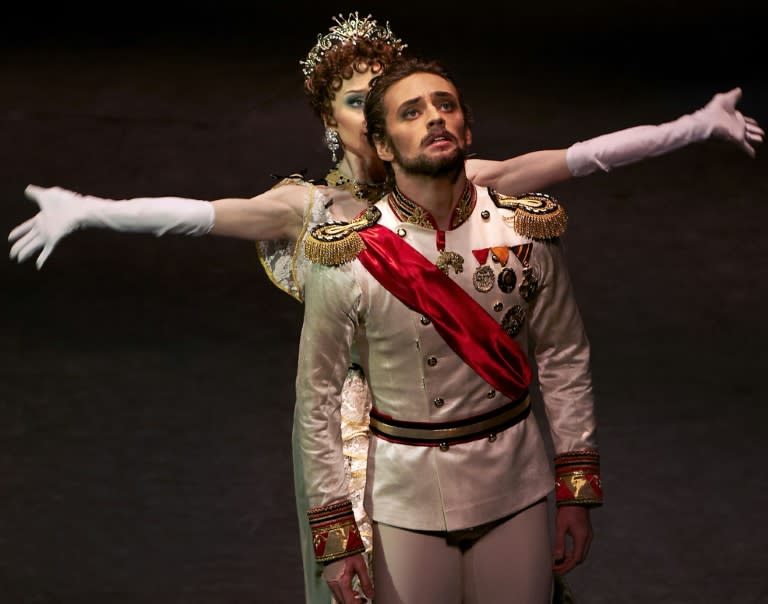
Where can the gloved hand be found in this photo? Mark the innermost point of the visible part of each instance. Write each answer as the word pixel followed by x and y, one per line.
pixel 719 118
pixel 62 212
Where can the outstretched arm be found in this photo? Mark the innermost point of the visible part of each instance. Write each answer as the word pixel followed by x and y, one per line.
pixel 274 214
pixel 541 169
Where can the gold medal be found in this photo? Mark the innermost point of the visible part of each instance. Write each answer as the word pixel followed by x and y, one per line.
pixel 446 260
pixel 483 278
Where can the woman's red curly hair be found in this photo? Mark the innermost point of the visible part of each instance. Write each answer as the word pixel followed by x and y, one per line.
pixel 341 63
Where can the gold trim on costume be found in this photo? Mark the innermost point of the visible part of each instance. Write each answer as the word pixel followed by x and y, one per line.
pixel 334 531
pixel 578 478
pixel 446 434
pixel 407 210
pixel 536 215
pixel 370 192
pixel 334 243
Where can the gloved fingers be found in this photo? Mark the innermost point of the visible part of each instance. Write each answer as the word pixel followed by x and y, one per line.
pixel 44 255
pixel 34 193
pixel 755 132
pixel 21 229
pixel 26 246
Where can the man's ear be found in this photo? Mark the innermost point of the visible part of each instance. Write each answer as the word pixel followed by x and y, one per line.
pixel 383 149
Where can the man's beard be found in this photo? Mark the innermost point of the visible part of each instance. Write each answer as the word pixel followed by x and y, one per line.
pixel 424 166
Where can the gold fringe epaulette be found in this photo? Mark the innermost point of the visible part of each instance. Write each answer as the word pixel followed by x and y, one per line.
pixel 536 215
pixel 334 243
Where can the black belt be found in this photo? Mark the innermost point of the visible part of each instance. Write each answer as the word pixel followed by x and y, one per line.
pixel 444 434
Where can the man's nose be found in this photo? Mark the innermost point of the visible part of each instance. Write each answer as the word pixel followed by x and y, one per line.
pixel 435 120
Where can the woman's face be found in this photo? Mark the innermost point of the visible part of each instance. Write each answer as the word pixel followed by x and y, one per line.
pixel 348 113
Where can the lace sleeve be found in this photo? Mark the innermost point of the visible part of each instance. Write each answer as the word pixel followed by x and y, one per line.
pixel 283 259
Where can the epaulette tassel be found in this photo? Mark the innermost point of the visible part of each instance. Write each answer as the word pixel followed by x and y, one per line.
pixel 334 253
pixel 541 226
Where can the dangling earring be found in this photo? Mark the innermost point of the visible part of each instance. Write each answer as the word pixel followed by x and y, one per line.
pixel 332 142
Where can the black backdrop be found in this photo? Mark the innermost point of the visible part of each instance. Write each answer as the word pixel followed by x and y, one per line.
pixel 146 384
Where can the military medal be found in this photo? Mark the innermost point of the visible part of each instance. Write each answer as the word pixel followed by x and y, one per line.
pixel 513 320
pixel 507 280
pixel 530 283
pixel 484 277
pixel 445 260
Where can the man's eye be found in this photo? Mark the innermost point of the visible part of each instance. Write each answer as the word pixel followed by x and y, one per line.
pixel 410 113
pixel 447 106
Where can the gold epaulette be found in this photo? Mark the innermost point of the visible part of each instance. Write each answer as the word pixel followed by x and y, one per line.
pixel 536 215
pixel 334 243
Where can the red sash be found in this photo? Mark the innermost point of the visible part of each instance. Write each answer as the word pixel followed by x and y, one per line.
pixel 465 325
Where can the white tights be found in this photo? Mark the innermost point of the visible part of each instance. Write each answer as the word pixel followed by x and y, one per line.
pixel 512 564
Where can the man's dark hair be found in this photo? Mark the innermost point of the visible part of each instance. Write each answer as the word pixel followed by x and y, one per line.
pixel 375 112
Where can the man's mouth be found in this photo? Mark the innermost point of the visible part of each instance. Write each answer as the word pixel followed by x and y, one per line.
pixel 438 138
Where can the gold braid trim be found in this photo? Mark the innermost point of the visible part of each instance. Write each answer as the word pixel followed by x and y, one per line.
pixel 536 215
pixel 334 243
pixel 577 478
pixel 334 531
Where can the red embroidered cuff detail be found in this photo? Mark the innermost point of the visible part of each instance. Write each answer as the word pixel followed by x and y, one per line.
pixel 334 531
pixel 577 478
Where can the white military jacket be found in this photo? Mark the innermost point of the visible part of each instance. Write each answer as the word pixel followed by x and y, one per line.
pixel 415 376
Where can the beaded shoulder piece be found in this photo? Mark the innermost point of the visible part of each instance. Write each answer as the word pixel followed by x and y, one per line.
pixel 334 243
pixel 535 215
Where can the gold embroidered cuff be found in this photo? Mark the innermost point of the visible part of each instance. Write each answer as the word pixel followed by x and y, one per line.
pixel 577 478
pixel 334 531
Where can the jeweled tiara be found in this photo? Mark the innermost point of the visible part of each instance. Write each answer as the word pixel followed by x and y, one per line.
pixel 349 30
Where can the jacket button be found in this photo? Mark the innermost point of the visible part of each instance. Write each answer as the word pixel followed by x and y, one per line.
pixel 432 361
pixel 425 320
pixel 401 232
pixel 491 394
pixel 485 214
pixel 439 401
pixel 491 438
pixel 498 307
pixel 444 446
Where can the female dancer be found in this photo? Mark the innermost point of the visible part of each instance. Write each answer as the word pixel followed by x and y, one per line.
pixel 337 72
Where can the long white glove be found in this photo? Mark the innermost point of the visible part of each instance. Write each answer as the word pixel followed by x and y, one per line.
pixel 719 118
pixel 62 212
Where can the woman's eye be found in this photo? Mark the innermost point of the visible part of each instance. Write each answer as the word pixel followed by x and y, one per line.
pixel 355 102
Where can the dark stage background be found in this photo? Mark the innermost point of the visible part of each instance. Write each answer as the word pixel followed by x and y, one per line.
pixel 146 387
